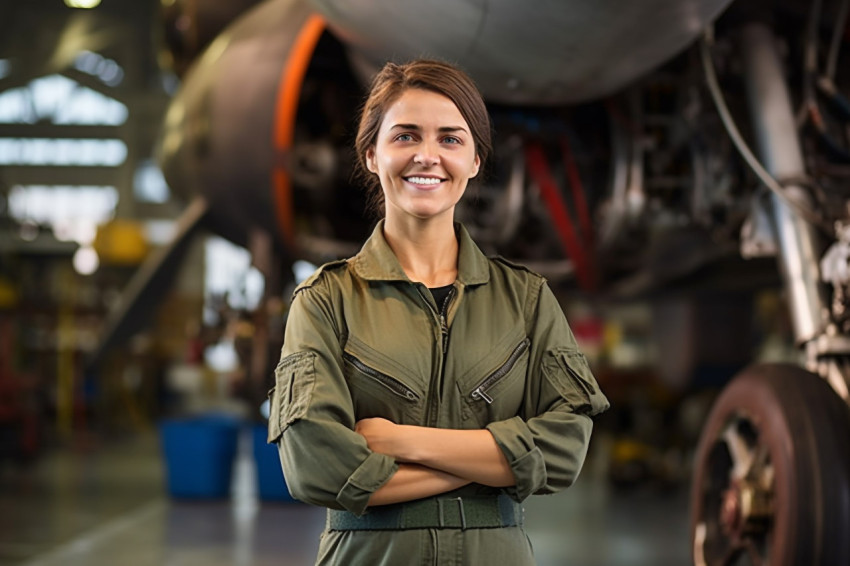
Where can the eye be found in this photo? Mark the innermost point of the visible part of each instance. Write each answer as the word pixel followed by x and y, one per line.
pixel 404 137
pixel 451 140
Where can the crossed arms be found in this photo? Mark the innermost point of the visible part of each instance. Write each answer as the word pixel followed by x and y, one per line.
pixel 433 460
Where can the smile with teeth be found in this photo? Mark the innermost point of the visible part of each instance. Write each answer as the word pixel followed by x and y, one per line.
pixel 424 180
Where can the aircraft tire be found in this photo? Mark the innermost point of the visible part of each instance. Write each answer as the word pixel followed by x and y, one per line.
pixel 771 479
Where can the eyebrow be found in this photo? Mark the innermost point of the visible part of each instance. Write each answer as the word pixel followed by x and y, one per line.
pixel 444 129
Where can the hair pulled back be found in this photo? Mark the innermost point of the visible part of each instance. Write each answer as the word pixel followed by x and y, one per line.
pixel 426 74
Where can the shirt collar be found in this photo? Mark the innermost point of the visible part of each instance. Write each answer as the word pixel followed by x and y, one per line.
pixel 377 262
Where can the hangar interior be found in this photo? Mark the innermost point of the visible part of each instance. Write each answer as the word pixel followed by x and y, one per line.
pixel 111 462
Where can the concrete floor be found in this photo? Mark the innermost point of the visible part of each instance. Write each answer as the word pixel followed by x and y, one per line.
pixel 107 505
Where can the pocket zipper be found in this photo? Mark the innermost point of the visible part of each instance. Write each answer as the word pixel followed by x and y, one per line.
pixel 480 391
pixel 390 383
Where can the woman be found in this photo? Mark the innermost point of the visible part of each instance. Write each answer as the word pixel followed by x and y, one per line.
pixel 425 390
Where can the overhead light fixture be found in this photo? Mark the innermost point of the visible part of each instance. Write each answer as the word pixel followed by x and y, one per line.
pixel 82 3
pixel 85 260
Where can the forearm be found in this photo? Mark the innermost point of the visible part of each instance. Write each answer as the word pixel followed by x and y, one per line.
pixel 470 454
pixel 413 481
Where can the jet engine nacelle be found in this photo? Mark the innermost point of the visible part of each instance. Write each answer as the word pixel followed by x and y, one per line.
pixel 229 130
pixel 552 52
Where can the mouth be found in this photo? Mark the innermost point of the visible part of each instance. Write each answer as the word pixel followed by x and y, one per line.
pixel 423 181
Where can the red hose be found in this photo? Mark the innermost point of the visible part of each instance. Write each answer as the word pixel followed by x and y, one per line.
pixel 539 169
pixel 578 194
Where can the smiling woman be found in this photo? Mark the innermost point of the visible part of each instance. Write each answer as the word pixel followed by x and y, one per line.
pixel 424 156
pixel 424 390
pixel 454 92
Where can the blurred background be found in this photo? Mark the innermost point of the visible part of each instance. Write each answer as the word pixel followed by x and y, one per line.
pixel 170 169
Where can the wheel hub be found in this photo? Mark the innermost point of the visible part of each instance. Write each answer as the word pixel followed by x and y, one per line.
pixel 745 510
pixel 730 511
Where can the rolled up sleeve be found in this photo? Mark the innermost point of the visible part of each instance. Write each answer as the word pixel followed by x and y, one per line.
pixel 526 460
pixel 547 444
pixel 325 464
pixel 324 461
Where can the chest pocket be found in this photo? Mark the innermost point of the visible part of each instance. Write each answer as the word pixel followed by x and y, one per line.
pixel 494 391
pixel 377 390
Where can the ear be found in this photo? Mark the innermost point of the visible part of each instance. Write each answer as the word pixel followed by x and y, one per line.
pixel 371 162
pixel 476 165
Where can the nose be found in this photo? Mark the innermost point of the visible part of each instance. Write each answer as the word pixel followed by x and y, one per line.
pixel 427 155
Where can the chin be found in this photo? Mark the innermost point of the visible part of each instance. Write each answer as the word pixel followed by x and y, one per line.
pixel 424 211
pixel 423 215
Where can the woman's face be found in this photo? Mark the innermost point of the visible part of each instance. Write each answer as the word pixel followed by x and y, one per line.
pixel 424 155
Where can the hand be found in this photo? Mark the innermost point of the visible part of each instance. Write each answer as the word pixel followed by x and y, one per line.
pixel 381 436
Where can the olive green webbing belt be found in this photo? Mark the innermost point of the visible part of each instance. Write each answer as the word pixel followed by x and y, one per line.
pixel 432 513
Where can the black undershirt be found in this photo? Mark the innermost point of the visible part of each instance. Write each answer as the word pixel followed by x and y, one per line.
pixel 440 295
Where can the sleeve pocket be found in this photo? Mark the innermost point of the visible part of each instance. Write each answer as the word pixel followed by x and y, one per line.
pixel 295 377
pixel 569 373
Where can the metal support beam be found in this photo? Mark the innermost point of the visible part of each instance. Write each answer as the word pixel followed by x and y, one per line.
pixel 780 152
pixel 60 175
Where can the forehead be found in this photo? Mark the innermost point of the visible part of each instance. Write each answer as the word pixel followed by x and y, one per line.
pixel 423 108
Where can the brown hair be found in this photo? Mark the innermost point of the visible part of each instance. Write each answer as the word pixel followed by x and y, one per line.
pixel 426 74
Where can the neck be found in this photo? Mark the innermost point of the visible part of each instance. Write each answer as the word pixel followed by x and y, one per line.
pixel 426 249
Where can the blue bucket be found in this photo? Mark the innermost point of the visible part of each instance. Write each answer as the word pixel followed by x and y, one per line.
pixel 271 484
pixel 199 454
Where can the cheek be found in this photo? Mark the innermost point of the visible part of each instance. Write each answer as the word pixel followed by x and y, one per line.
pixel 467 167
pixel 390 164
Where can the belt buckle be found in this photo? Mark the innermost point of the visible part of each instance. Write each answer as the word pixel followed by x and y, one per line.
pixel 459 501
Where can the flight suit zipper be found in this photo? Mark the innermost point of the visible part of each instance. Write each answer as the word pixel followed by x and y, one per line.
pixel 431 412
pixel 480 390
pixel 444 327
pixel 387 381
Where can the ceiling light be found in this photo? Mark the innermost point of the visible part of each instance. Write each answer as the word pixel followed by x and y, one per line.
pixel 85 260
pixel 82 3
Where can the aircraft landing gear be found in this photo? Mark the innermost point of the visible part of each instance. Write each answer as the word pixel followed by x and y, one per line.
pixel 771 483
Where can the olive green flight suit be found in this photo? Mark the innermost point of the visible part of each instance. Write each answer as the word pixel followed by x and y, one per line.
pixel 362 340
